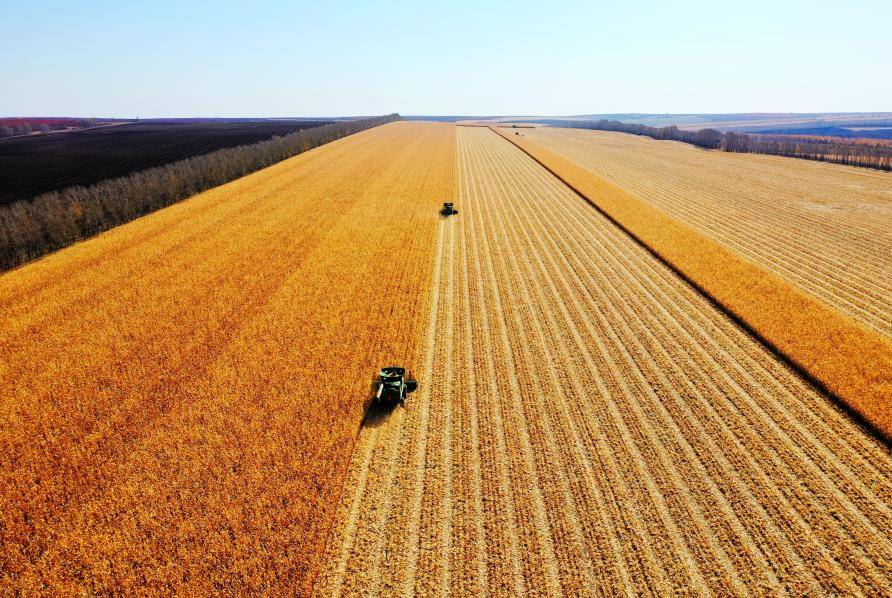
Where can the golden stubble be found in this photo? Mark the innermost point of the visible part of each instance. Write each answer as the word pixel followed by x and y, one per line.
pixel 851 360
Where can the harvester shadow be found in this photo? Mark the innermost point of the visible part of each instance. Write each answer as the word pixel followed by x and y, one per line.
pixel 377 415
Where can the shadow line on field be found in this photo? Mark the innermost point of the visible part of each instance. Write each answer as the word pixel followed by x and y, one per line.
pixel 377 415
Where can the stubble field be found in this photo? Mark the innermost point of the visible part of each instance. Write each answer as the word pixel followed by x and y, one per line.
pixel 594 426
pixel 825 228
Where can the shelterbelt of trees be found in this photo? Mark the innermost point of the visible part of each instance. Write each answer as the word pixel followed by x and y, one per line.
pixel 853 152
pixel 31 228
pixel 12 127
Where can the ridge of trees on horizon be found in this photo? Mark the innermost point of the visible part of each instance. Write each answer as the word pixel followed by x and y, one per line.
pixel 851 152
pixel 30 228
pixel 16 127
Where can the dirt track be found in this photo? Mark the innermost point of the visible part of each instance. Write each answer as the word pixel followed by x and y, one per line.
pixel 825 228
pixel 588 424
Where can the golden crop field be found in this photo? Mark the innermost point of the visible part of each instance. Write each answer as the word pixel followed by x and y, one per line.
pixel 825 228
pixel 601 408
pixel 593 425
pixel 181 394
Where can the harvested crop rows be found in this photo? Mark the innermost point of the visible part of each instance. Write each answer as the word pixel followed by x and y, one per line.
pixel 826 229
pixel 587 424
pixel 182 393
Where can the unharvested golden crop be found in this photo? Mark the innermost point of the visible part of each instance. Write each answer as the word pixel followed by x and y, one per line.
pixel 850 360
pixel 181 394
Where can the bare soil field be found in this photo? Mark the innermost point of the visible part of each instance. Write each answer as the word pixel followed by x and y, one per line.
pixel 181 394
pixel 588 424
pixel 825 228
pixel 33 165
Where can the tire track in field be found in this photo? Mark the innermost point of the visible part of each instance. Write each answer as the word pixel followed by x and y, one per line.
pixel 587 424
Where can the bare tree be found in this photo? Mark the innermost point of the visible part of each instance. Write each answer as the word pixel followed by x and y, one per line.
pixel 855 152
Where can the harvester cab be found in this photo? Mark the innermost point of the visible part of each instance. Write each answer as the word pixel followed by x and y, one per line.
pixel 393 386
pixel 448 209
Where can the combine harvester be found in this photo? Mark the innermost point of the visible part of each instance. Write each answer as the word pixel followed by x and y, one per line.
pixel 392 387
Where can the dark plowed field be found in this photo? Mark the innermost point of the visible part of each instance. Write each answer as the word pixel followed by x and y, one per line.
pixel 33 165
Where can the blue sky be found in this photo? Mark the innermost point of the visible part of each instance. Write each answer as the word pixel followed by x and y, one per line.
pixel 281 58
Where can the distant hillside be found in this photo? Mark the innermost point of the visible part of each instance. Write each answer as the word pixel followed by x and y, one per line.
pixel 20 126
pixel 446 118
pixel 743 122
pixel 884 131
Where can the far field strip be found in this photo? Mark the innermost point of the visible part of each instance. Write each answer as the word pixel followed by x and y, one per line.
pixel 181 394
pixel 588 424
pixel 825 228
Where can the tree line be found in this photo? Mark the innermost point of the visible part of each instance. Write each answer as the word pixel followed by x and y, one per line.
pixel 854 152
pixel 23 128
pixel 16 126
pixel 30 228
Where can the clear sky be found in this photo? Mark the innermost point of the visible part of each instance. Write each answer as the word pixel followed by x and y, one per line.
pixel 277 58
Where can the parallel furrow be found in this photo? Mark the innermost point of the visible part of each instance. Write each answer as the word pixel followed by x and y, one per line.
pixel 590 425
pixel 768 215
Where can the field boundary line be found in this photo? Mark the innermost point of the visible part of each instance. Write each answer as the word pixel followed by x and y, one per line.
pixel 833 352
